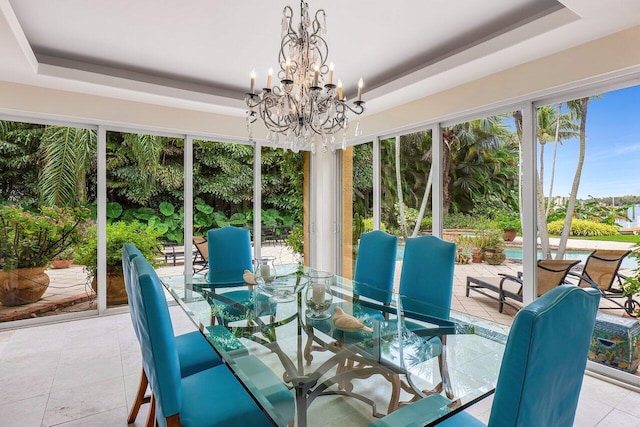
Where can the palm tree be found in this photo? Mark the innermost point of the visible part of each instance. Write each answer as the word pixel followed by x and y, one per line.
pixel 67 154
pixel 578 110
pixel 552 127
pixel 469 167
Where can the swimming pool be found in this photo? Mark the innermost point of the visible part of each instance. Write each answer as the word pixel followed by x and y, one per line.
pixel 516 253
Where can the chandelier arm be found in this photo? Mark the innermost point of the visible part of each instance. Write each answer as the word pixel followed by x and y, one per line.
pixel 316 25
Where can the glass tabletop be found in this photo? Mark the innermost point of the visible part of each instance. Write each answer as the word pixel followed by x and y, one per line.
pixel 329 338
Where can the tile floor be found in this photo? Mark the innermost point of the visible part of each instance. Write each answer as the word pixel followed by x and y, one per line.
pixel 84 373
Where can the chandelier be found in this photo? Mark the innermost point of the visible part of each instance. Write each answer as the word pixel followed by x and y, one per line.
pixel 306 106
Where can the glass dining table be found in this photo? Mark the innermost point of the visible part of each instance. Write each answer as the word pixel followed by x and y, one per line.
pixel 346 357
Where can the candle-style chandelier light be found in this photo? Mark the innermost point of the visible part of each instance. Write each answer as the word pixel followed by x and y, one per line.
pixel 306 106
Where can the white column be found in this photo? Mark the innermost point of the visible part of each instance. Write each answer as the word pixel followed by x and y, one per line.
pixel 529 186
pixel 323 203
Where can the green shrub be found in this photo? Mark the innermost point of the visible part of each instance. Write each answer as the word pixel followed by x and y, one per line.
pixel 368 225
pixel 582 227
pixel 459 220
pixel 145 238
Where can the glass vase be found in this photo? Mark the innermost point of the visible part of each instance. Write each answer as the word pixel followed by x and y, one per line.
pixel 318 296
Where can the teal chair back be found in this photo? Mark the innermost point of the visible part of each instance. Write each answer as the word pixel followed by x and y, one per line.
pixel 376 265
pixel 159 354
pixel 229 255
pixel 427 274
pixel 129 252
pixel 544 360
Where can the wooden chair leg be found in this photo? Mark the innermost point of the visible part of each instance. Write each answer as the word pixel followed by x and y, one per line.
pixel 140 398
pixel 173 421
pixel 151 418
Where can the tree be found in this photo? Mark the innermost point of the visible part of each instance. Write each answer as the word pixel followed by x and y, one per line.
pixel 555 127
pixel 578 110
pixel 19 144
pixel 67 155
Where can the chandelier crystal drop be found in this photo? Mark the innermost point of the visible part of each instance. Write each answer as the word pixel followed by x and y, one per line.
pixel 306 104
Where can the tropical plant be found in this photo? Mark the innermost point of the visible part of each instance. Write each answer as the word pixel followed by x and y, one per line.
pixel 145 238
pixel 631 284
pixel 67 155
pixel 19 143
pixel 33 239
pixel 489 239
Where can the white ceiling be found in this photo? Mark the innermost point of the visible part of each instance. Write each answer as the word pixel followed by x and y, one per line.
pixel 198 54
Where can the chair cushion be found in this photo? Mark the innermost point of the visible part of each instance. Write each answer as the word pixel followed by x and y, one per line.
pixel 195 353
pixel 215 397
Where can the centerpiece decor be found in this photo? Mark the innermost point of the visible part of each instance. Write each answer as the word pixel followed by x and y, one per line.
pixel 29 241
pixel 306 103
pixel 318 295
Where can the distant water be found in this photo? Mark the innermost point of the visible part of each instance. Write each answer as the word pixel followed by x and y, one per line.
pixel 516 253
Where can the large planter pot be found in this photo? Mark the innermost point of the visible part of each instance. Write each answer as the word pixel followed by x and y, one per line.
pixel 494 257
pixel 116 292
pixel 22 285
pixel 509 235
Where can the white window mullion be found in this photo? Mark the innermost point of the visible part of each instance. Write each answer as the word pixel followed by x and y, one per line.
pixel 529 187
pixel 102 220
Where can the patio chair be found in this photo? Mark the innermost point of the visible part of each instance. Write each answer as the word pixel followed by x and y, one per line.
pixel 542 368
pixel 201 256
pixel 549 274
pixel 601 272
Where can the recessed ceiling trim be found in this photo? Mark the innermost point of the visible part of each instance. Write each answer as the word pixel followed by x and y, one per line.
pixel 491 46
pixel 213 103
pixel 18 33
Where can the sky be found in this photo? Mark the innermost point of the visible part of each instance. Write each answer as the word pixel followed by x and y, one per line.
pixel 612 149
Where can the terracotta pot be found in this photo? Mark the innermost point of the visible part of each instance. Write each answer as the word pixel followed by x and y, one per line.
pixel 61 263
pixel 476 255
pixel 509 235
pixel 116 292
pixel 22 285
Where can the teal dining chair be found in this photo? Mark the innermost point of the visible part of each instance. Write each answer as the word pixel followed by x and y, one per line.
pixel 376 265
pixel 194 352
pixel 229 256
pixel 427 275
pixel 211 397
pixel 542 367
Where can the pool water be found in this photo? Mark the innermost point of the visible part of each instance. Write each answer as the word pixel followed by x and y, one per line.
pixel 516 253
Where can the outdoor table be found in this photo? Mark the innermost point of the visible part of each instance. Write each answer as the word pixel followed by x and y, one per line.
pixel 397 357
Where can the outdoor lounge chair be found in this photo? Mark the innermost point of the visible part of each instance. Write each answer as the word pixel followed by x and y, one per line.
pixel 201 256
pixel 549 274
pixel 601 272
